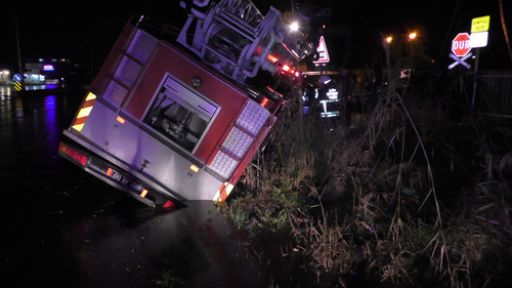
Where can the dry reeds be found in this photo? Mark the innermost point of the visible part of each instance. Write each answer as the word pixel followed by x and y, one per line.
pixel 369 197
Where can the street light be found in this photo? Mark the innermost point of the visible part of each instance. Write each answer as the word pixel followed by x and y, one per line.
pixel 294 26
pixel 412 36
pixel 389 39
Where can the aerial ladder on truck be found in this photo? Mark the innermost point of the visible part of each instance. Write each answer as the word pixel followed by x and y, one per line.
pixel 170 121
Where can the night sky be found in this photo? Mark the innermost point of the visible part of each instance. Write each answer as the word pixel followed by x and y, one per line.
pixel 85 31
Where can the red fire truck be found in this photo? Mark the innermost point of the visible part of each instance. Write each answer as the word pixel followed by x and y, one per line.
pixel 174 120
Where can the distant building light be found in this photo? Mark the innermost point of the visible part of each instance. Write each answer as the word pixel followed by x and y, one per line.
pixel 41 60
pixel 5 76
pixel 48 67
pixel 63 60
pixel 54 59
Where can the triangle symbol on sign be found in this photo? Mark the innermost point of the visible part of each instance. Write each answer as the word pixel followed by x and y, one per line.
pixel 323 53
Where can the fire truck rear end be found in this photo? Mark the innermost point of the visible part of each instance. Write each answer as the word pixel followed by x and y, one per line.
pixel 170 121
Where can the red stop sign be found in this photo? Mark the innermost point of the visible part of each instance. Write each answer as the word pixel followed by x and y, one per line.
pixel 461 45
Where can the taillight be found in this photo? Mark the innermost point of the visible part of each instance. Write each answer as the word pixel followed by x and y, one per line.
pixel 168 204
pixel 75 155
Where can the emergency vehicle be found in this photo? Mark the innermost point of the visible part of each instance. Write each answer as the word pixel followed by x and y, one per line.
pixel 171 120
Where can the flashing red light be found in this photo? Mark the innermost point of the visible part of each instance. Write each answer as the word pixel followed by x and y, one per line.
pixel 286 68
pixel 75 155
pixel 297 74
pixel 168 204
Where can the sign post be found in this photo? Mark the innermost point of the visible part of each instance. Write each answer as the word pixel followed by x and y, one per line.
pixel 479 35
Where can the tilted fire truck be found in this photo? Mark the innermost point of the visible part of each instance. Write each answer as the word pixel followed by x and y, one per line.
pixel 170 121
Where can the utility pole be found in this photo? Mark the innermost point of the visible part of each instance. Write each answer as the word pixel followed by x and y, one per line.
pixel 297 63
pixel 475 80
pixel 16 30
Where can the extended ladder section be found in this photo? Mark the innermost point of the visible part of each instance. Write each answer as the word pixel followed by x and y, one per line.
pixel 236 39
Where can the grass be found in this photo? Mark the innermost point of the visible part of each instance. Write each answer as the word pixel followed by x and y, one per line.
pixel 404 199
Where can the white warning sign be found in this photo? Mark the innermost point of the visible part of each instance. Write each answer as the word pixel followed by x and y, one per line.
pixel 323 53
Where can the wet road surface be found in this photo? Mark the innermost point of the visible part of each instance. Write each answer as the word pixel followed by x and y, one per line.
pixel 64 228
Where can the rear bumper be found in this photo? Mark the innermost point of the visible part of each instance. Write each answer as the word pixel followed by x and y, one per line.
pixel 115 173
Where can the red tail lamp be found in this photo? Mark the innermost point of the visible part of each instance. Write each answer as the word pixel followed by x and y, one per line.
pixel 75 155
pixel 168 204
